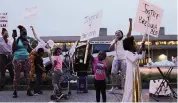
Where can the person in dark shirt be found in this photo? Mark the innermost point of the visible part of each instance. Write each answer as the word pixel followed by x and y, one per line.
pixel 39 69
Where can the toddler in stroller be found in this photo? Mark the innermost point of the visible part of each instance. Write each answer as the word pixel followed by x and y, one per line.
pixel 57 74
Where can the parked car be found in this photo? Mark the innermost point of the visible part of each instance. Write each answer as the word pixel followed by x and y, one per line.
pixel 95 48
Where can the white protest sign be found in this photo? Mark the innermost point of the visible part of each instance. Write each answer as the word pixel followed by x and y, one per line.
pixel 29 12
pixel 148 18
pixel 72 49
pixel 3 20
pixel 91 26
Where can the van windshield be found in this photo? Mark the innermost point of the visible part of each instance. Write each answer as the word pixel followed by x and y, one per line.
pixel 100 47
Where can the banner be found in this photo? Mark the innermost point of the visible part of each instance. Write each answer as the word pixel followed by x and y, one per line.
pixel 148 18
pixel 29 12
pixel 72 49
pixel 3 20
pixel 91 26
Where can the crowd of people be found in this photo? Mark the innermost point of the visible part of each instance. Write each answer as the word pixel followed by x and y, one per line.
pixel 19 57
pixel 29 60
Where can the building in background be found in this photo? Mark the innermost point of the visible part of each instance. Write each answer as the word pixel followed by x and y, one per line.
pixel 161 48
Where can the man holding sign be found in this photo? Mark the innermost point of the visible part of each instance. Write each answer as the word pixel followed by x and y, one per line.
pixel 118 61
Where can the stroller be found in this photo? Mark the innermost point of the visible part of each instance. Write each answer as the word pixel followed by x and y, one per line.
pixel 64 82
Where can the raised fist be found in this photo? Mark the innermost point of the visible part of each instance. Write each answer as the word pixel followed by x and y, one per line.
pixel 130 19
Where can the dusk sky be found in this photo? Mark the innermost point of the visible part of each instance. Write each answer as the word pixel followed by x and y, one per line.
pixel 66 17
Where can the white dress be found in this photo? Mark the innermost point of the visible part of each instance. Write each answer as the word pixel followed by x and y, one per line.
pixel 131 61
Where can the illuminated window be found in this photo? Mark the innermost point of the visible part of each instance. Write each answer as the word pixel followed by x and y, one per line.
pixel 165 42
pixel 157 43
pixel 162 57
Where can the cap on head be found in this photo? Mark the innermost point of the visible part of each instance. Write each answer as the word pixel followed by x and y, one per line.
pixel 50 43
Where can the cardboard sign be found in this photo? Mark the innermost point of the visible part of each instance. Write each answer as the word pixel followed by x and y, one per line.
pixel 91 26
pixel 29 12
pixel 148 18
pixel 3 20
pixel 72 49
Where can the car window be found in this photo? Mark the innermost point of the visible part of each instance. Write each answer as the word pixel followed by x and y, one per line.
pixel 100 47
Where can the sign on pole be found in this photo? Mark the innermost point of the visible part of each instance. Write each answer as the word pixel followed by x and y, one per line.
pixel 3 20
pixel 29 12
pixel 91 26
pixel 148 18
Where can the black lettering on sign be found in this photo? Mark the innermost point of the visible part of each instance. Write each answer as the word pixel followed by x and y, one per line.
pixel 2 17
pixel 84 35
pixel 152 27
pixel 4 13
pixel 3 21
pixel 3 25
pixel 89 19
pixel 90 34
pixel 150 12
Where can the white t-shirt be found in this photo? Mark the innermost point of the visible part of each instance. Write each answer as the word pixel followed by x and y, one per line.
pixel 119 50
pixel 5 47
pixel 42 44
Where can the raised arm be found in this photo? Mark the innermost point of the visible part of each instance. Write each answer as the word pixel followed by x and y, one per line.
pixel 130 28
pixel 14 45
pixel 34 33
pixel 134 57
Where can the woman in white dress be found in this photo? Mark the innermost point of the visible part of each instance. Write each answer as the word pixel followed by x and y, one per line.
pixel 132 89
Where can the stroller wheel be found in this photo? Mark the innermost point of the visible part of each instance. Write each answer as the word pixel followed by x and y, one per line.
pixel 66 97
pixel 53 97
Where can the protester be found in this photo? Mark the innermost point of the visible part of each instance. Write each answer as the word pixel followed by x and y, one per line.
pixel 57 71
pixel 47 48
pixel 100 75
pixel 5 57
pixel 39 69
pixel 118 61
pixel 21 49
pixel 132 89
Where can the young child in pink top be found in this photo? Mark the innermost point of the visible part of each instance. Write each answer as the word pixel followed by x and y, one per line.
pixel 99 66
pixel 57 71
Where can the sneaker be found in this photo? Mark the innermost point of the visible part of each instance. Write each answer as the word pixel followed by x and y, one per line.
pixel 1 87
pixel 29 93
pixel 15 94
pixel 40 92
pixel 36 94
pixel 121 91
pixel 111 91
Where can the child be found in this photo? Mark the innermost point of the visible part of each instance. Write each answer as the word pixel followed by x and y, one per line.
pixel 132 89
pixel 39 69
pixel 99 72
pixel 57 71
